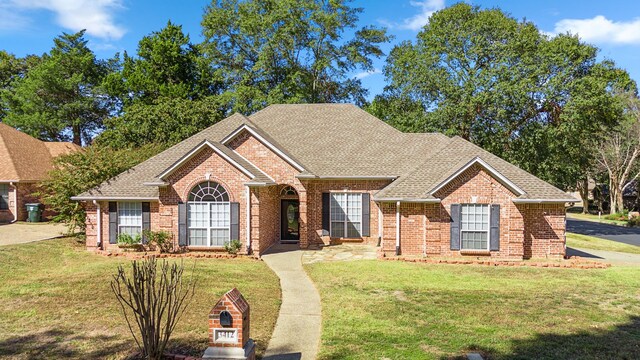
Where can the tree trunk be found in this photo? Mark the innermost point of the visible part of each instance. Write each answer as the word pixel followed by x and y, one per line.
pixel 77 135
pixel 583 188
pixel 613 199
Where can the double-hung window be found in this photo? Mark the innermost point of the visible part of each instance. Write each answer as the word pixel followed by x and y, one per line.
pixel 474 230
pixel 4 196
pixel 346 215
pixel 130 218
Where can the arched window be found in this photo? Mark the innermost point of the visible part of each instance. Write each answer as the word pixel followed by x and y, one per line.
pixel 288 191
pixel 209 215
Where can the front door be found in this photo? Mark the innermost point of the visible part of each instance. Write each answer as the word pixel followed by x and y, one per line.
pixel 289 224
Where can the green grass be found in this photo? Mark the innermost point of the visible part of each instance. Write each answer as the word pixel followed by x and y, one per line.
pixel 56 302
pixel 594 243
pixel 595 218
pixel 396 310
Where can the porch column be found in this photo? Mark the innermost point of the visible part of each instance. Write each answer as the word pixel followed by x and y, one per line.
pixel 398 228
pixel 248 217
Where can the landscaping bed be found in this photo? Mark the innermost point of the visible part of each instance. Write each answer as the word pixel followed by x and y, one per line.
pixel 399 310
pixel 56 302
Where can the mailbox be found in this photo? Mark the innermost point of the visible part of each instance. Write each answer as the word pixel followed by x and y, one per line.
pixel 225 318
pixel 229 328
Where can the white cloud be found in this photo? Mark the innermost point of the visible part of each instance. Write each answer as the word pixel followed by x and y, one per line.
pixel 10 20
pixel 364 74
pixel 602 30
pixel 427 8
pixel 94 15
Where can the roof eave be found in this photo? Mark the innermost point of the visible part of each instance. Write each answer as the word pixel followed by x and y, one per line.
pixel 363 177
pixel 545 201
pixel 408 200
pixel 113 198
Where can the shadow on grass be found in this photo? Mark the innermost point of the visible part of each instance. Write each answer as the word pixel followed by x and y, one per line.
pixel 55 344
pixel 622 342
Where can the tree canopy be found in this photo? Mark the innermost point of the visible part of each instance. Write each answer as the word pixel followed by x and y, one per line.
pixel 60 98
pixel 539 101
pixel 289 51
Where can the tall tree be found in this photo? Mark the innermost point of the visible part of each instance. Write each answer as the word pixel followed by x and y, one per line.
pixel 289 51
pixel 619 153
pixel 60 98
pixel 167 92
pixel 12 69
pixel 537 101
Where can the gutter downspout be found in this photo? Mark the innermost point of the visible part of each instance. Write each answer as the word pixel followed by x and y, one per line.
pixel 98 224
pixel 15 201
pixel 398 228
pixel 380 228
pixel 248 217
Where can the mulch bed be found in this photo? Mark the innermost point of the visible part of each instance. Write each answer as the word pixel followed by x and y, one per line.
pixel 190 254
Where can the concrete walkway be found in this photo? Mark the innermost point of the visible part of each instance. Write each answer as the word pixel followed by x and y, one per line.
pixel 612 257
pixel 23 232
pixel 297 332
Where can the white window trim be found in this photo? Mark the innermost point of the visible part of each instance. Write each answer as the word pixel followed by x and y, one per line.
pixel 346 217
pixel 488 231
pixel 120 225
pixel 208 217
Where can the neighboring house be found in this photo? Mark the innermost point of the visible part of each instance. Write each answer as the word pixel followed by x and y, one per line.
pixel 328 173
pixel 24 162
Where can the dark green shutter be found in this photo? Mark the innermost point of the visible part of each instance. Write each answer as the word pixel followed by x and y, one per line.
pixel 182 224
pixel 235 221
pixel 366 214
pixel 113 222
pixel 326 213
pixel 146 220
pixel 455 226
pixel 4 196
pixel 494 233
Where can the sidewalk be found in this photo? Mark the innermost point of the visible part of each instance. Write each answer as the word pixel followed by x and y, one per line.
pixel 297 332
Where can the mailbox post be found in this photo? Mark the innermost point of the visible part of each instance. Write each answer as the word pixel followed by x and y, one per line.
pixel 229 329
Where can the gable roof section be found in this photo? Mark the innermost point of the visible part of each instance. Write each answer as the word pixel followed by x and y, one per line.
pixel 131 183
pixel 255 174
pixel 267 140
pixel 455 157
pixel 25 158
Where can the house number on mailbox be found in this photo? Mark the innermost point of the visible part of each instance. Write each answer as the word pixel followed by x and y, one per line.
pixel 225 335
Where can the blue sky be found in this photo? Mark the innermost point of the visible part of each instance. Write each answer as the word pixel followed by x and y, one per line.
pixel 28 26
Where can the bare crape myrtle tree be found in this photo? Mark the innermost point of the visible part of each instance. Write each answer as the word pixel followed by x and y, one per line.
pixel 153 298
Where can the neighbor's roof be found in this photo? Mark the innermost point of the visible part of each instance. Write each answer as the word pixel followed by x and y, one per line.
pixel 332 141
pixel 25 158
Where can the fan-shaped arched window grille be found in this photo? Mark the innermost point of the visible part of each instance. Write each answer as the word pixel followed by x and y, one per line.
pixel 209 213
pixel 208 191
pixel 288 191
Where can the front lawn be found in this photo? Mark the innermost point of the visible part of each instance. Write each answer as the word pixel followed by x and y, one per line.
pixel 56 302
pixel 594 243
pixel 395 310
pixel 595 218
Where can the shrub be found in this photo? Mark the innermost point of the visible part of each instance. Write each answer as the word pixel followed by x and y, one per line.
pixel 80 171
pixel 126 239
pixel 162 239
pixel 152 300
pixel 623 216
pixel 233 246
pixel 634 221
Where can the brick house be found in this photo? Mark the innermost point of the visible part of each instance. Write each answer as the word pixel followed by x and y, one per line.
pixel 24 163
pixel 328 173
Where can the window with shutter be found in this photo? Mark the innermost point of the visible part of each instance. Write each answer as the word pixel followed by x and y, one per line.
pixel 346 215
pixel 209 215
pixel 474 227
pixel 4 196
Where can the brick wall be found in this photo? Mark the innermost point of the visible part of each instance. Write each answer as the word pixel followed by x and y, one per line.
pixel 531 230
pixel 315 188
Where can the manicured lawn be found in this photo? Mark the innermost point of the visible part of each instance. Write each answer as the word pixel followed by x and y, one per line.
pixel 594 243
pixel 56 302
pixel 395 310
pixel 595 218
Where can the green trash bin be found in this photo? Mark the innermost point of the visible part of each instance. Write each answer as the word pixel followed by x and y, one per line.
pixel 34 212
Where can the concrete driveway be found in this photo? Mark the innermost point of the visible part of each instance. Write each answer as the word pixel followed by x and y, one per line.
pixel 627 235
pixel 21 232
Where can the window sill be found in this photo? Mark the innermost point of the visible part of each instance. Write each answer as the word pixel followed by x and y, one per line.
pixel 475 252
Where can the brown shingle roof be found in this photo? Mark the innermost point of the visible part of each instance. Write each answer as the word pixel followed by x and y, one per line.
pixel 335 140
pixel 25 158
